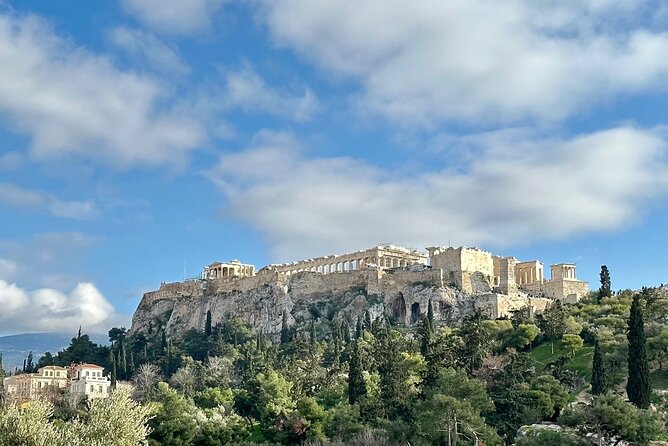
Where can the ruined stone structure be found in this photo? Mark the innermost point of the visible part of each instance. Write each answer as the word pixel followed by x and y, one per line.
pixel 381 256
pixel 469 269
pixel 233 268
pixel 385 280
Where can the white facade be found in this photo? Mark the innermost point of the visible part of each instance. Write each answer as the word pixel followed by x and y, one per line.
pixel 27 386
pixel 89 380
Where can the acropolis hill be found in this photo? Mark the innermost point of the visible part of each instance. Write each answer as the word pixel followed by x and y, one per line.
pixel 385 280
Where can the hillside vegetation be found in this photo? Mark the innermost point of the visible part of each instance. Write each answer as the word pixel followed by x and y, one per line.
pixel 484 381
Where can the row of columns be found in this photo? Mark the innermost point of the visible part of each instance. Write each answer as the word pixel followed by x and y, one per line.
pixel 326 266
pixel 230 271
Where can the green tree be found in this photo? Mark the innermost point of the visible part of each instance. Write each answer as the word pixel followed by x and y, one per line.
pixel 207 325
pixel 522 335
pixel 610 416
pixel 356 384
pixel 452 408
pixel 393 375
pixel 476 342
pixel 174 423
pixel 638 384
pixel 600 377
pixel 572 342
pixel 552 323
pixel 605 289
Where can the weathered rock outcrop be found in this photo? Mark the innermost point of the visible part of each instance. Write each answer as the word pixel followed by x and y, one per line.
pixel 401 295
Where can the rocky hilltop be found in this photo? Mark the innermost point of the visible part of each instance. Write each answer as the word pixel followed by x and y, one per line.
pixel 402 295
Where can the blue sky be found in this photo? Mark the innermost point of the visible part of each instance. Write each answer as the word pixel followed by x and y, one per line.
pixel 138 136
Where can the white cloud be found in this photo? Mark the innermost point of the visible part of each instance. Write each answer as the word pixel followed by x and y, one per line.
pixel 70 101
pixel 20 197
pixel 78 210
pixel 11 161
pixel 8 269
pixel 48 309
pixel 246 90
pixel 427 62
pixel 521 188
pixel 174 16
pixel 49 260
pixel 16 196
pixel 146 47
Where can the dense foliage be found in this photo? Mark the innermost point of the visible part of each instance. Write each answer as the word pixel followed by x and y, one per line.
pixel 480 382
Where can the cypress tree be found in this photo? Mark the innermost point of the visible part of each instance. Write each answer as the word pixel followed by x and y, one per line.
pixel 430 316
pixel 638 385
pixel 131 363
pixel 393 375
pixel 163 343
pixel 599 378
pixel 124 361
pixel 358 328
pixel 345 328
pixel 113 371
pixel 367 320
pixel 2 381
pixel 170 359
pixel 356 384
pixel 425 344
pixel 285 330
pixel 605 290
pixel 207 326
pixel 312 332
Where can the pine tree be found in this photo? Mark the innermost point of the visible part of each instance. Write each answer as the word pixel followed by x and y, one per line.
pixel 599 379
pixel 638 385
pixel 605 290
pixel 207 326
pixel 285 330
pixel 356 384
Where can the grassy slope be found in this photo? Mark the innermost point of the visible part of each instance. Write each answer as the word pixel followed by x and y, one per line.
pixel 581 362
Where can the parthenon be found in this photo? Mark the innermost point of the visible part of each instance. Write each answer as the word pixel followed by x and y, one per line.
pixel 381 256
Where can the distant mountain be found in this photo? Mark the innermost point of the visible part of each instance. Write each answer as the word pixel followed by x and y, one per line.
pixel 15 348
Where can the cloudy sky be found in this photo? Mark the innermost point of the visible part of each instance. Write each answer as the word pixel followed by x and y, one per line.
pixel 139 138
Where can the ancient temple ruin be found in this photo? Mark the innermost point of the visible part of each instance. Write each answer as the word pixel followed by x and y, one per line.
pixel 470 270
pixel 233 268
pixel 381 256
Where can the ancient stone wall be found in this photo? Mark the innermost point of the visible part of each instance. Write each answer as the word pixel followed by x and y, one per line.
pixel 496 305
pixel 470 269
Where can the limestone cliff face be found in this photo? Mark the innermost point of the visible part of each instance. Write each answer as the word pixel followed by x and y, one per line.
pixel 401 295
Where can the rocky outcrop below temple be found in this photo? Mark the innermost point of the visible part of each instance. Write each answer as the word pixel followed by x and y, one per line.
pixel 402 295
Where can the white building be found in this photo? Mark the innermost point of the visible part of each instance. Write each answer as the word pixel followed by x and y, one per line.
pixel 27 386
pixel 89 380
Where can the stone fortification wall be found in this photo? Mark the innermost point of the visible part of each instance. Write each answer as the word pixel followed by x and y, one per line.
pixel 565 289
pixel 496 305
pixel 470 269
